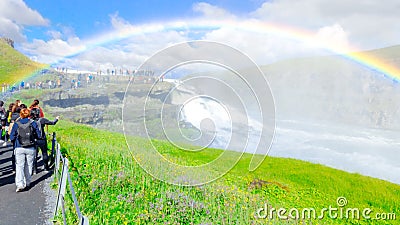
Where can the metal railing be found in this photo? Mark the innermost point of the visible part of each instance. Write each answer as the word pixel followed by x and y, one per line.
pixel 64 177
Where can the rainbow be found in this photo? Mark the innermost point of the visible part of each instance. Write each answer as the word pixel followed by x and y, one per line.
pixel 364 58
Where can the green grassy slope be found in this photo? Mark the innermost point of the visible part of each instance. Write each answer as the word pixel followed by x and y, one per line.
pixel 113 189
pixel 14 66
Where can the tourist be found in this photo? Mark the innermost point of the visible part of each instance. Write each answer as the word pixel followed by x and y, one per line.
pixel 9 113
pixel 13 117
pixel 3 120
pixel 23 141
pixel 34 105
pixel 2 110
pixel 42 140
pixel 15 111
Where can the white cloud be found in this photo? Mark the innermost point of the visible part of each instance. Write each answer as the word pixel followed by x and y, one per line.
pixel 18 11
pixel 119 23
pixel 55 47
pixel 369 23
pixel 263 45
pixel 334 35
pixel 209 11
pixel 9 29
pixel 15 15
pixel 54 34
pixel 263 48
pixel 295 13
pixel 102 58
pixel 311 26
pixel 141 42
pixel 54 50
pixel 117 51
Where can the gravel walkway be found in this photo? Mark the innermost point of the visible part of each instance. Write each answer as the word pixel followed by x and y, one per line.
pixel 33 206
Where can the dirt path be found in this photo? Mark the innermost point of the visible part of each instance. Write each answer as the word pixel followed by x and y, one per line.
pixel 27 207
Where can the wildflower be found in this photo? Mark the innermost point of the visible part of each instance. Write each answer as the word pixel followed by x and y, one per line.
pixel 151 205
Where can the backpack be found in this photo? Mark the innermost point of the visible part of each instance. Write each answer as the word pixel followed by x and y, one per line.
pixel 3 116
pixel 14 116
pixel 40 128
pixel 25 134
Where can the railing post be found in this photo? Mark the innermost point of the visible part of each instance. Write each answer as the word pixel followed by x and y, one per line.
pixel 64 215
pixel 53 144
pixel 62 184
pixel 84 220
pixel 57 160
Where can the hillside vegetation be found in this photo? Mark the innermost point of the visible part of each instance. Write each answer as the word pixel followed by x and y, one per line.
pixel 15 66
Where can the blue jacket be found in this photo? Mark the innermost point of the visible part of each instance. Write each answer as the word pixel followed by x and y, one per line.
pixel 14 131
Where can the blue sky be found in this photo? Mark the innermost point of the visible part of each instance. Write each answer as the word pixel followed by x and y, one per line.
pixel 90 17
pixel 91 35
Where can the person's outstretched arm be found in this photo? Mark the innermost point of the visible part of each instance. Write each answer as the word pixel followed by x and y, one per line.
pixel 46 121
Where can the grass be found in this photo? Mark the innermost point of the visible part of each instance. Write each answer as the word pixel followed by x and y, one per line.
pixel 114 189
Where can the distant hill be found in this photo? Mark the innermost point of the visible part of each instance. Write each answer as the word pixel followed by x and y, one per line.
pixel 334 88
pixel 15 66
pixel 390 54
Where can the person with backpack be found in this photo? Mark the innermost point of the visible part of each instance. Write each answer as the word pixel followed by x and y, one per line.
pixel 2 110
pixel 18 102
pixel 9 112
pixel 3 120
pixel 42 140
pixel 16 109
pixel 23 134
pixel 35 104
pixel 13 115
